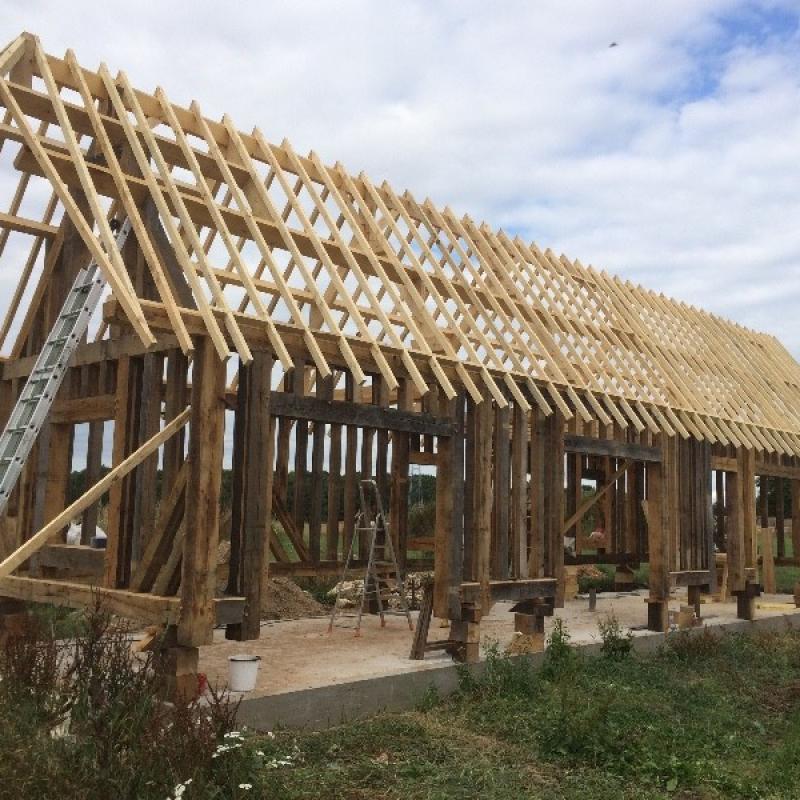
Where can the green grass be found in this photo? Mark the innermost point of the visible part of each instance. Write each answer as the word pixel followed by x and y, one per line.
pixel 706 718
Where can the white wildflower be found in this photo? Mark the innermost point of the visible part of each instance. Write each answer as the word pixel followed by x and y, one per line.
pixel 246 786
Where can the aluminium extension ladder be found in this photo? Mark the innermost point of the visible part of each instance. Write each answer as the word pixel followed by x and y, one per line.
pixel 41 388
pixel 382 575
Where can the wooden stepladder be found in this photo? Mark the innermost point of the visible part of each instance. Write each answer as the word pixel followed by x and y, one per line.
pixel 382 575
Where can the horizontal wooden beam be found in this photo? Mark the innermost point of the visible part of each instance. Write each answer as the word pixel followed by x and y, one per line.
pixel 629 559
pixel 77 559
pixel 341 412
pixel 152 609
pixel 777 470
pixel 724 464
pixel 29 226
pixel 472 592
pixel 697 577
pixel 85 409
pixel 610 447
pixel 92 353
pixel 306 569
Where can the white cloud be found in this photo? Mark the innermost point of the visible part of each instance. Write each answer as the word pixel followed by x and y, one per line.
pixel 671 159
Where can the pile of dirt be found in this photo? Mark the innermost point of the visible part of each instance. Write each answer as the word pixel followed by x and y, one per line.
pixel 284 598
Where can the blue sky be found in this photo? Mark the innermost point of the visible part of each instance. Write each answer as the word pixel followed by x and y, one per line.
pixel 671 159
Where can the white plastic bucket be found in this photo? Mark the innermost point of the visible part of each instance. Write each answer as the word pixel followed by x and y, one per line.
pixel 242 673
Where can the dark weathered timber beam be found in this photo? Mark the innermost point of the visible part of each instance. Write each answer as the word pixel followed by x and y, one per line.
pixel 509 590
pixel 611 448
pixel 341 412
pixel 73 558
pixel 77 410
pixel 307 569
pixel 776 470
pixel 697 577
pixel 630 559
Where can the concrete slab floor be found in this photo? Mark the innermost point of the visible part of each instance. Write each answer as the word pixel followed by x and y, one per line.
pixel 301 654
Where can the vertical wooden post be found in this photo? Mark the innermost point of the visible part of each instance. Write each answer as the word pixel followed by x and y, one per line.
pixel 257 527
pixel 380 397
pixel 176 398
pixel 367 447
pixel 780 509
pixel 795 489
pixel 470 472
pixel 281 480
pixel 58 466
pixel 659 524
pixel 482 510
pixel 201 537
pixel 747 460
pixel 300 454
pixel 538 532
pixel 554 501
pixel 324 391
pixel 115 553
pixel 449 530
pixel 500 515
pixel 334 493
pixel 239 470
pixel 144 509
pixel 398 505
pixel 519 494
pixel 350 477
pixel 796 533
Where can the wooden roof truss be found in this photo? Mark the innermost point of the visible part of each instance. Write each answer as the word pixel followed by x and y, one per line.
pixel 260 232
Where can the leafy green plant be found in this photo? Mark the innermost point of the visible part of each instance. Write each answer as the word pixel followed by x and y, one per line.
pixel 560 657
pixel 87 718
pixel 617 644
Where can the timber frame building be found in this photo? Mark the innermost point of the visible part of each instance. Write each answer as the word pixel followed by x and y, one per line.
pixel 356 331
